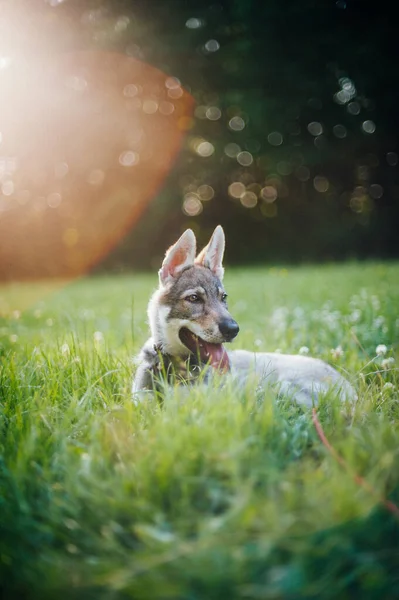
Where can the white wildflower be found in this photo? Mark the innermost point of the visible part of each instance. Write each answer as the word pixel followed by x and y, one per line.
pixel 387 362
pixel 337 352
pixel 49 322
pixel 378 322
pixel 37 314
pixel 258 342
pixel 76 359
pixel 13 338
pixel 303 350
pixel 278 351
pixel 355 315
pixel 65 349
pixel 381 350
pixel 98 336
pixel 16 314
pixel 388 386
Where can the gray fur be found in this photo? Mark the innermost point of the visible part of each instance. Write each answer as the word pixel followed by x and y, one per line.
pixel 194 278
pixel 300 377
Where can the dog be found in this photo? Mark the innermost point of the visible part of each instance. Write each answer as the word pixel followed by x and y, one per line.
pixel 190 323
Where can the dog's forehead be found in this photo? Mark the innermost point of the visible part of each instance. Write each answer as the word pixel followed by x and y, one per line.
pixel 197 277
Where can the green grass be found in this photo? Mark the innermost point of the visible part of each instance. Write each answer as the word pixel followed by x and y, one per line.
pixel 212 495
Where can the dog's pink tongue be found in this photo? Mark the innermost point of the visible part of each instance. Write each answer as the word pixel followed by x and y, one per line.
pixel 218 356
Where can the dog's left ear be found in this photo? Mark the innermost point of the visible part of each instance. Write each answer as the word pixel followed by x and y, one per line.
pixel 212 255
pixel 180 256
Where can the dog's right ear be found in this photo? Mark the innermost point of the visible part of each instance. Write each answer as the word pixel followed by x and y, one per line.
pixel 180 256
pixel 212 255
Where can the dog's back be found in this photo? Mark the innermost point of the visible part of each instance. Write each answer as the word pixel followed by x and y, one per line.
pixel 301 377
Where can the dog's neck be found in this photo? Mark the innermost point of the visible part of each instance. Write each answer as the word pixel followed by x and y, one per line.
pixel 173 369
pixel 164 334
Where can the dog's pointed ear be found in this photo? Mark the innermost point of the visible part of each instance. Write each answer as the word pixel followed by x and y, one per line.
pixel 179 256
pixel 212 255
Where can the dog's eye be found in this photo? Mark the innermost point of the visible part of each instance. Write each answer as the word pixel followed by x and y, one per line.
pixel 193 298
pixel 224 297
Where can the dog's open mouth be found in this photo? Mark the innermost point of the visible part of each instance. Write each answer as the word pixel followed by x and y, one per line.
pixel 215 354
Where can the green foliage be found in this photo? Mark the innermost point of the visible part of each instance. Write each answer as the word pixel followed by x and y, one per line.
pixel 217 493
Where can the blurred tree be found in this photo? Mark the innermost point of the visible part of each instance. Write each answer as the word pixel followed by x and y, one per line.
pixel 295 97
pixel 293 145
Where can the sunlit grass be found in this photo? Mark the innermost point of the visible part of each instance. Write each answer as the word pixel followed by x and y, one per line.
pixel 215 494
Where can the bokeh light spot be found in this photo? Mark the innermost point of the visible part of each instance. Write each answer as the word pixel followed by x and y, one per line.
pixel 166 108
pixel 376 191
pixel 245 158
pixel 172 83
pixel 194 23
pixel 339 131
pixel 231 150
pixel 7 187
pixel 129 158
pixel 130 90
pixel 150 107
pixel 54 200
pixel 206 192
pixel 275 138
pixel 347 85
pixel 320 183
pixel 205 149
pixel 353 108
pixel 192 205
pixel 122 23
pixel 213 113
pixel 237 123
pixel 175 93
pixel 368 126
pixel 212 46
pixel 269 193
pixel 315 128
pixel 342 97
pixel 249 199
pixel 392 159
pixel 236 189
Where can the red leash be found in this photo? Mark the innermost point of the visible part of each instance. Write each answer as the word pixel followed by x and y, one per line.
pixel 358 479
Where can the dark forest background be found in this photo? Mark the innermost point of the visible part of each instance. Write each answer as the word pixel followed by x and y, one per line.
pixel 297 101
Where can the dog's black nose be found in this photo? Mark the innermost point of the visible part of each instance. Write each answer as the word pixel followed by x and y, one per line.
pixel 229 329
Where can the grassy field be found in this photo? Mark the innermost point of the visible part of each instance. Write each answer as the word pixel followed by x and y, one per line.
pixel 220 495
